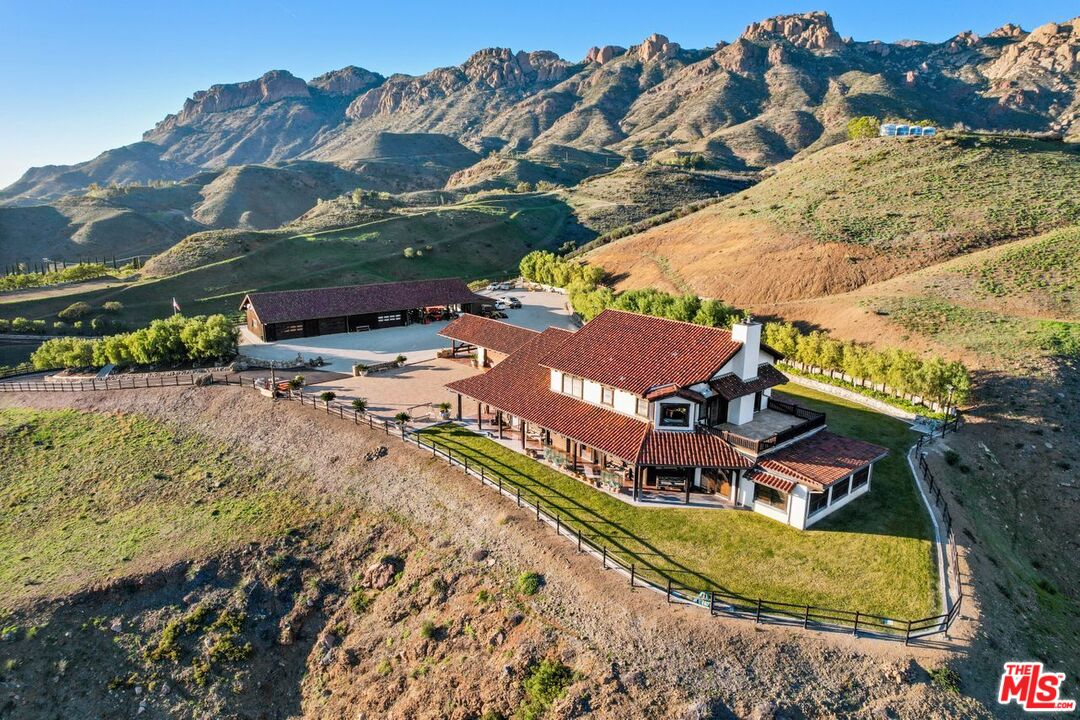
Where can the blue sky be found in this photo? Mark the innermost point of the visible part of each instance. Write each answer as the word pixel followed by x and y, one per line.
pixel 82 77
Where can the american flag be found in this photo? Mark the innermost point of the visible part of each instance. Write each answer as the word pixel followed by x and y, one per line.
pixel 175 306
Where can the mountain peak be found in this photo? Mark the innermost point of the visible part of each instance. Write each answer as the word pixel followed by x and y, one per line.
pixel 1008 30
pixel 812 31
pixel 272 86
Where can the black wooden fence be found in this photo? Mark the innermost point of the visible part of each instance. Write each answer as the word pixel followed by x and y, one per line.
pixel 639 571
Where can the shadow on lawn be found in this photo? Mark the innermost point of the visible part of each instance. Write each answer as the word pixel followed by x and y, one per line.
pixel 589 520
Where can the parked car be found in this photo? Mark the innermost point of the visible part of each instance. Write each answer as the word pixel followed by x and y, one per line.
pixel 505 286
pixel 513 302
pixel 500 304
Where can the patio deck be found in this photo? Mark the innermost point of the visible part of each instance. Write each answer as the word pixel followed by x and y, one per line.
pixel 590 471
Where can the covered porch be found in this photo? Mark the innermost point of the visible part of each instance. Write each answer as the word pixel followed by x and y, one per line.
pixel 634 484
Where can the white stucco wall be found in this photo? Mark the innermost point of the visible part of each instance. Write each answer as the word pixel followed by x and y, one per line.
pixel 834 506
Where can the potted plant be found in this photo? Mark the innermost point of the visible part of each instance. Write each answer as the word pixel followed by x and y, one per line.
pixel 473 360
pixel 402 419
pixel 400 360
pixel 359 405
pixel 359 369
pixel 444 410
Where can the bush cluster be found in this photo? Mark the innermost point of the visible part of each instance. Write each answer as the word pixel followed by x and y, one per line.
pixel 175 339
pixel 903 371
pixel 82 271
pixel 547 268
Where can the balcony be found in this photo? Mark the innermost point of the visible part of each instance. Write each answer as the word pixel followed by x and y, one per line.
pixel 772 426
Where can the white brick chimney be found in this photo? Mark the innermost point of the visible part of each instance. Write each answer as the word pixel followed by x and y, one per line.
pixel 747 332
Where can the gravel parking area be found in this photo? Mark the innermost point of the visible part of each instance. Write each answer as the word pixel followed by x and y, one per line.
pixel 539 311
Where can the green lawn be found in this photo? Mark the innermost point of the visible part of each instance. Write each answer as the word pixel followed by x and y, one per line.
pixel 874 555
pixel 88 496
pixel 474 240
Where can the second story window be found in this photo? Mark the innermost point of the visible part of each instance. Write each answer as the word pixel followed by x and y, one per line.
pixel 573 386
pixel 607 396
pixel 674 415
pixel 642 408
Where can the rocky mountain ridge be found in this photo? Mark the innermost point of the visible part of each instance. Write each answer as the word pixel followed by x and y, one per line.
pixel 787 84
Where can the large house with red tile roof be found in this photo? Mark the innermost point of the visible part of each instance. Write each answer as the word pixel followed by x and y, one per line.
pixel 662 412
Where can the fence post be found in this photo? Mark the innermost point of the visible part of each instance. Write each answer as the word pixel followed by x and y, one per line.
pixel 537 509
pixel 466 464
pixel 855 631
pixel 668 595
pixel 558 524
pixel 907 635
pixel 519 496
pixel 482 478
pixel 806 617
pixel 605 557
pixel 579 539
pixel 632 571
pixel 757 615
pixel 500 485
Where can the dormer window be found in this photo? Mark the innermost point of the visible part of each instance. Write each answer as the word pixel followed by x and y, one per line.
pixel 573 385
pixel 642 408
pixel 607 396
pixel 674 415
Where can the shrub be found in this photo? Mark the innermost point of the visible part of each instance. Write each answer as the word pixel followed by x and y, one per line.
pixel 22 325
pixel 400 359
pixel 429 630
pixel 409 252
pixel 327 395
pixel 402 418
pixel 359 405
pixel 112 306
pixel 952 457
pixel 945 678
pixel 74 311
pixel 359 602
pixel 297 382
pixel 546 682
pixel 864 126
pixel 529 583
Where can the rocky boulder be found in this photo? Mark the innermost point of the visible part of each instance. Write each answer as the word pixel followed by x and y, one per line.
pixel 380 575
pixel 605 54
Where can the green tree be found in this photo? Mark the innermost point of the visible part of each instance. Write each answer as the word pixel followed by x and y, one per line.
pixel 864 126
pixel 75 311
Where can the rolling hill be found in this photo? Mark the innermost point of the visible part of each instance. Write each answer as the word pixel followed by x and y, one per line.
pixel 857 213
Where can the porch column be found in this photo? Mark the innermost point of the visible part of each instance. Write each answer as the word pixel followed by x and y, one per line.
pixel 524 429
pixel 459 406
pixel 686 485
pixel 637 481
pixel 499 420
pixel 479 416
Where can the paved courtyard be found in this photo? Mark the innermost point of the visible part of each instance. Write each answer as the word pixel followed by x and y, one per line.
pixel 416 388
pixel 538 311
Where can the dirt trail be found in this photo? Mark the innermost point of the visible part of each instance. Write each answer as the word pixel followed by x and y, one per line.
pixel 640 656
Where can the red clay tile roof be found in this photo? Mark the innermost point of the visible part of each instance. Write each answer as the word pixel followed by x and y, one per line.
pixel 822 459
pixel 487 333
pixel 668 390
pixel 637 352
pixel 521 386
pixel 697 448
pixel 313 303
pixel 731 386
pixel 763 478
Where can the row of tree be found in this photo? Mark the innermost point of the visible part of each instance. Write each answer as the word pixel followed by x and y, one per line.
pixel 547 268
pixel 172 340
pixel 904 372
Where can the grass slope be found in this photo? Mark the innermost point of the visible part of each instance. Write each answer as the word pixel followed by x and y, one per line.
pixel 873 556
pixel 87 497
pixel 857 213
pixel 480 239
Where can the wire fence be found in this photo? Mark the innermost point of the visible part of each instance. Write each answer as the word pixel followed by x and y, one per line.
pixel 639 571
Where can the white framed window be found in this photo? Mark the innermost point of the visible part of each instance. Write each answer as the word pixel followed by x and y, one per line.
pixel 642 408
pixel 573 385
pixel 607 396
pixel 390 317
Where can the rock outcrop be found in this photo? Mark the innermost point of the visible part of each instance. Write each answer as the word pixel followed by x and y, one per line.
pixel 349 80
pixel 605 54
pixel 1050 49
pixel 271 87
pixel 811 31
pixel 656 47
